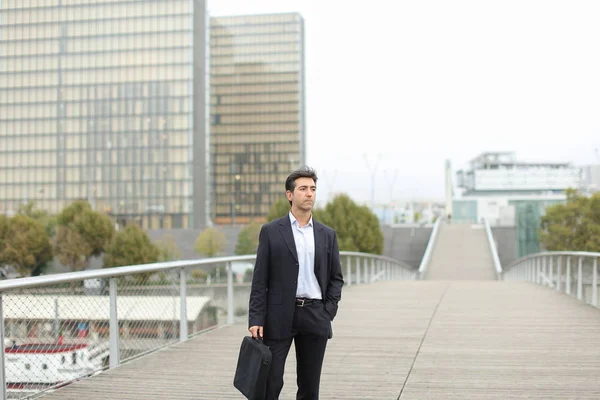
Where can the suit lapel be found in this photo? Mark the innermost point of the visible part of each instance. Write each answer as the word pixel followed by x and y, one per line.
pixel 285 227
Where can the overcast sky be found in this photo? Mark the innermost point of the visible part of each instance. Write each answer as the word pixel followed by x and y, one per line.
pixel 419 82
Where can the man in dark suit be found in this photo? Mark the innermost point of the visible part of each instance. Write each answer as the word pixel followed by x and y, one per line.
pixel 296 287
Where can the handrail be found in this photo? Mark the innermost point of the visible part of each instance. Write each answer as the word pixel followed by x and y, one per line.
pixel 29 282
pixel 571 272
pixel 493 250
pixel 376 257
pixel 429 249
pixel 552 253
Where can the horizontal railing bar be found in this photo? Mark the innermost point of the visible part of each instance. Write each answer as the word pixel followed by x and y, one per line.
pixel 429 249
pixel 375 257
pixel 23 283
pixel 105 273
pixel 552 253
pixel 492 246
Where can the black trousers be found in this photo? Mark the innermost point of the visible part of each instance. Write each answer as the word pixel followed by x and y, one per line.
pixel 310 329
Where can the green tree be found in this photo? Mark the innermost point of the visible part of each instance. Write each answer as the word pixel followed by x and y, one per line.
pixel 417 216
pixel 357 227
pixel 210 242
pixel 81 234
pixel 71 249
pixel 25 244
pixel 4 233
pixel 248 239
pixel 30 209
pixel 280 208
pixel 131 246
pixel 573 226
pixel 169 251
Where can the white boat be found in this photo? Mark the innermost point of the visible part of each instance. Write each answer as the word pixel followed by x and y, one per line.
pixel 38 366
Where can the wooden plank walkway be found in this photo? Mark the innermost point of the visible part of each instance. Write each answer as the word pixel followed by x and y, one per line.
pixel 408 340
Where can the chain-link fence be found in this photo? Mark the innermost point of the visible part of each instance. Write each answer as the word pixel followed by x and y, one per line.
pixel 55 333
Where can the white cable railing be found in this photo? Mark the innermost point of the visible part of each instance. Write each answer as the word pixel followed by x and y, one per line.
pixel 60 328
pixel 570 272
pixel 493 249
pixel 429 249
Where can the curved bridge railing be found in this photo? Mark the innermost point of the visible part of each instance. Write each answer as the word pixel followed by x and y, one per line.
pixel 574 273
pixel 60 328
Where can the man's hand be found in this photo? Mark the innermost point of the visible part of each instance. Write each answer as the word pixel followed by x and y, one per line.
pixel 256 331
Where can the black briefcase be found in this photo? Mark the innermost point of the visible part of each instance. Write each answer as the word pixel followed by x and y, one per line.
pixel 252 369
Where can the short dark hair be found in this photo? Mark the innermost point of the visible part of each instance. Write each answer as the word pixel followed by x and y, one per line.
pixel 302 172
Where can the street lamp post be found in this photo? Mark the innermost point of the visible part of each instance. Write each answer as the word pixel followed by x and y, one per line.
pixel 373 171
pixel 391 186
pixel 234 198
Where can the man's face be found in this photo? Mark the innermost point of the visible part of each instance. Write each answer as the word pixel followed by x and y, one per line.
pixel 304 195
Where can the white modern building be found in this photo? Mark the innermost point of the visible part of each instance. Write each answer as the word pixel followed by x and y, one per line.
pixel 496 183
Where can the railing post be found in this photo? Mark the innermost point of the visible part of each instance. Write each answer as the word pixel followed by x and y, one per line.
pixel 114 351
pixel 568 276
pixel 358 270
pixel 2 361
pixel 366 265
pixel 229 293
pixel 550 271
pixel 538 261
pixel 349 271
pixel 595 283
pixel 531 277
pixel 372 270
pixel 544 271
pixel 388 271
pixel 558 273
pixel 183 323
pixel 580 279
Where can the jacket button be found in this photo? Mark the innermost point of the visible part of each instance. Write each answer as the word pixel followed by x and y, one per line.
pixel 297 264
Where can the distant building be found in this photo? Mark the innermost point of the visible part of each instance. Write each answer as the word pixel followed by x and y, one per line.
pixel 257 133
pixel 142 317
pixel 105 101
pixel 409 212
pixel 492 174
pixel 509 192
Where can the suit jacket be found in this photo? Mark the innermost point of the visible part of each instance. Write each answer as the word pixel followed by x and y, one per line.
pixel 275 278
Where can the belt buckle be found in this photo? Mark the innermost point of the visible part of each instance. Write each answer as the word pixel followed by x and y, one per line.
pixel 300 302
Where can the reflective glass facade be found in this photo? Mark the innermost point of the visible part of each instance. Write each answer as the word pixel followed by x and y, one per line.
pixel 97 101
pixel 256 112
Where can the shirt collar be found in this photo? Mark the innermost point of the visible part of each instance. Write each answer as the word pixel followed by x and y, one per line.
pixel 293 219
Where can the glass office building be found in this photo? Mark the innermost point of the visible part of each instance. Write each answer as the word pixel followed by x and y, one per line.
pixel 104 100
pixel 256 112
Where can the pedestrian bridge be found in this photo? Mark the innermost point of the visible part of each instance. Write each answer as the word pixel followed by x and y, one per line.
pixel 461 327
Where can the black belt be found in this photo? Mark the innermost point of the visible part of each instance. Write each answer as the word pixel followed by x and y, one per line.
pixel 300 302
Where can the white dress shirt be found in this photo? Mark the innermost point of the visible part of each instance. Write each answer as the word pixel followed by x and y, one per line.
pixel 304 237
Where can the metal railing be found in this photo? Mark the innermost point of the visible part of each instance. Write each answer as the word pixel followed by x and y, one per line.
pixel 571 272
pixel 493 249
pixel 60 328
pixel 369 268
pixel 429 249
